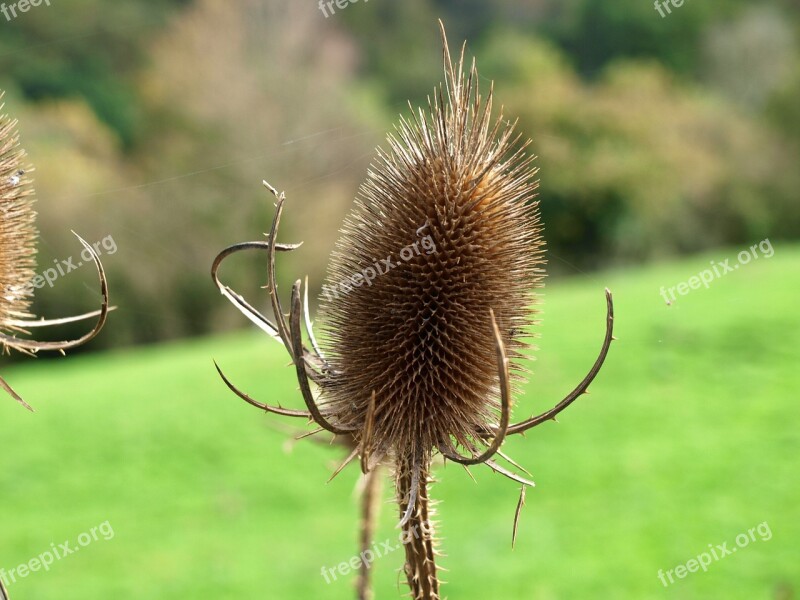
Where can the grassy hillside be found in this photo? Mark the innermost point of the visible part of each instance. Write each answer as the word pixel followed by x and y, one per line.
pixel 689 438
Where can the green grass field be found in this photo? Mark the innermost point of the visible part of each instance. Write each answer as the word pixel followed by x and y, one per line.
pixel 688 438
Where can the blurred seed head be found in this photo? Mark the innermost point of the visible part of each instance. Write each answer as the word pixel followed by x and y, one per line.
pixel 18 233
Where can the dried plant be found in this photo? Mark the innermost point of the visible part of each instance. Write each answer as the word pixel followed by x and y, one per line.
pixel 421 360
pixel 18 238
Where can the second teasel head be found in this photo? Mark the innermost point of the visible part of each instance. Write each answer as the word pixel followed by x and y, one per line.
pixel 17 229
pixel 18 239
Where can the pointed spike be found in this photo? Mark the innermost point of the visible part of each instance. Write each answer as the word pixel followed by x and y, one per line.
pixel 346 462
pixel 471 476
pixel 520 504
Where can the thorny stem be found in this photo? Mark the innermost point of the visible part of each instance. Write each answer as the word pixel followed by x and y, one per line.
pixel 417 531
pixel 370 504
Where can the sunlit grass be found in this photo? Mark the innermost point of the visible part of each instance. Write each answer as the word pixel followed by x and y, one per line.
pixel 688 438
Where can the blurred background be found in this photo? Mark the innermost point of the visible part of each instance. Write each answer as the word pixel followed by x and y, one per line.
pixel 667 139
pixel 155 122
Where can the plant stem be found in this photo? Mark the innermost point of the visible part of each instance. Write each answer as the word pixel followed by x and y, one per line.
pixel 418 535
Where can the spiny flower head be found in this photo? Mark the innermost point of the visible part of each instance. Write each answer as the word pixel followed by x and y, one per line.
pixel 444 231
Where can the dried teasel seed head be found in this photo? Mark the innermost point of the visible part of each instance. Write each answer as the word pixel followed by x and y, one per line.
pixel 444 231
pixel 18 238
pixel 17 227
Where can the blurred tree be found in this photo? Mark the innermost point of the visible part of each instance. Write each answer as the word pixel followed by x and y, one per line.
pixel 748 58
pixel 52 52
pixel 155 123
pixel 237 94
pixel 229 95
pixel 639 164
pixel 596 33
pixel 392 51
